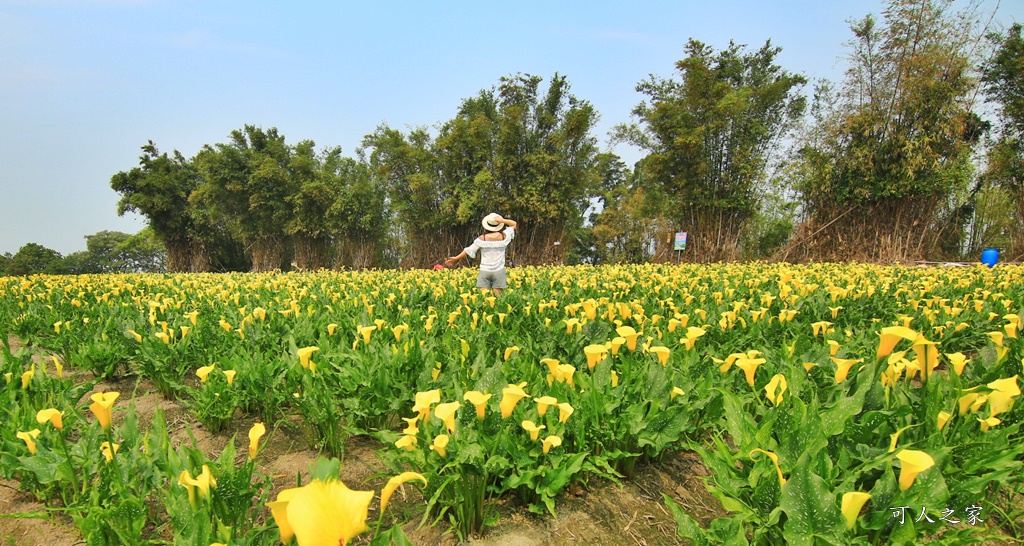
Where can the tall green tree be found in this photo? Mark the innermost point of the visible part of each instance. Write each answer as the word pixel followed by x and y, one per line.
pixel 1004 82
pixel 709 138
pixel 361 212
pixel 33 258
pixel 311 225
pixel 513 149
pixel 159 189
pixel 247 185
pixel 890 153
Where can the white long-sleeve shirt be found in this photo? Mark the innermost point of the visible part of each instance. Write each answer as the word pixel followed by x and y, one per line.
pixel 492 253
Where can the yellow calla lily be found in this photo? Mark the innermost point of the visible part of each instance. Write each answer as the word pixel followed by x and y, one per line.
pixel 327 513
pixel 749 367
pixel 279 510
pixel 304 355
pixel 424 400
pixel 255 433
pixel 446 413
pixel 564 411
pixel 532 428
pixel 852 503
pixel 775 388
pixel 204 372
pixel 440 444
pixel 28 437
pixel 943 418
pixel 550 442
pixel 595 353
pixel 913 463
pixel 102 402
pixel 958 361
pixel 629 334
pixel 52 416
pixel 393 483
pixel 407 441
pixel 662 353
pixel 479 400
pixel 543 402
pixel 510 396
pixel 108 454
pixel 843 367
pixel 890 336
pixel 775 461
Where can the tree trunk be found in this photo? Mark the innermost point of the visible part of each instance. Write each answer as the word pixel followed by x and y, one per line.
pixel 311 253
pixel 178 255
pixel 266 254
pixel 199 260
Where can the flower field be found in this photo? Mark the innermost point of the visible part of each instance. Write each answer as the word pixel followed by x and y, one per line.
pixel 830 404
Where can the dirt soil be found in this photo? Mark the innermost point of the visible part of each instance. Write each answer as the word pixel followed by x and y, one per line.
pixel 598 513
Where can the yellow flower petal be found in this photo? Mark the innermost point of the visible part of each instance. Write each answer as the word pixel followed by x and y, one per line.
pixel 328 513
pixel 913 463
pixel 393 483
pixel 852 504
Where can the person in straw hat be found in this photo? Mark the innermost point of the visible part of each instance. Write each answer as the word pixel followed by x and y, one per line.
pixel 491 246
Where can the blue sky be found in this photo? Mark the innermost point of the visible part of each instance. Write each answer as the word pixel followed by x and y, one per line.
pixel 85 83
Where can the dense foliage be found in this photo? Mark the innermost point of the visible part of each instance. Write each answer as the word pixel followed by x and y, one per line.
pixel 819 397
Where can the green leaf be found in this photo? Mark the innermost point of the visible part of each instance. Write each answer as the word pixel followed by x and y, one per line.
pixel 687 528
pixel 810 507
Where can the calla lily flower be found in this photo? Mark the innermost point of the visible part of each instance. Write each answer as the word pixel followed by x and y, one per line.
pixel 550 442
pixel 820 326
pixel 532 428
pixel 943 418
pixel 972 402
pixel 662 353
pixel 230 375
pixel 424 400
pixel 833 347
pixel 255 433
pixel 407 441
pixel 511 351
pixel 162 336
pixel 564 373
pixel 843 367
pixel 749 367
pixel 630 334
pixel 102 402
pixel 136 335
pixel 775 461
pixel 890 336
pixel 775 388
pixel 479 400
pixel 412 427
pixel 676 391
pixel 28 437
pixel 326 513
pixel 440 444
pixel 54 417
pixel 552 364
pixel 851 506
pixel 595 353
pixel 279 510
pixel 446 413
pixel 304 355
pixel 365 332
pixel 1001 398
pixel 615 378
pixel 543 402
pixel 393 483
pixel 204 372
pixel 958 361
pixel 510 396
pixel 987 423
pixel 108 454
pixel 616 343
pixel 913 463
pixel 564 411
pixel 26 378
pixel 331 328
pixel 894 437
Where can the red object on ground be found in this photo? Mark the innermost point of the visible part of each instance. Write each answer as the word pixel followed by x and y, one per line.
pixel 438 266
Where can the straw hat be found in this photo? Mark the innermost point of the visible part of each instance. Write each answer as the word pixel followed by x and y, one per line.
pixel 492 222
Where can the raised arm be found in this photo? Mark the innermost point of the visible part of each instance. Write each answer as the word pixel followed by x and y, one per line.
pixel 455 259
pixel 508 222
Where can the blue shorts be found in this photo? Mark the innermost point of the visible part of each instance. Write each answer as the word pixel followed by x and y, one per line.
pixel 492 279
